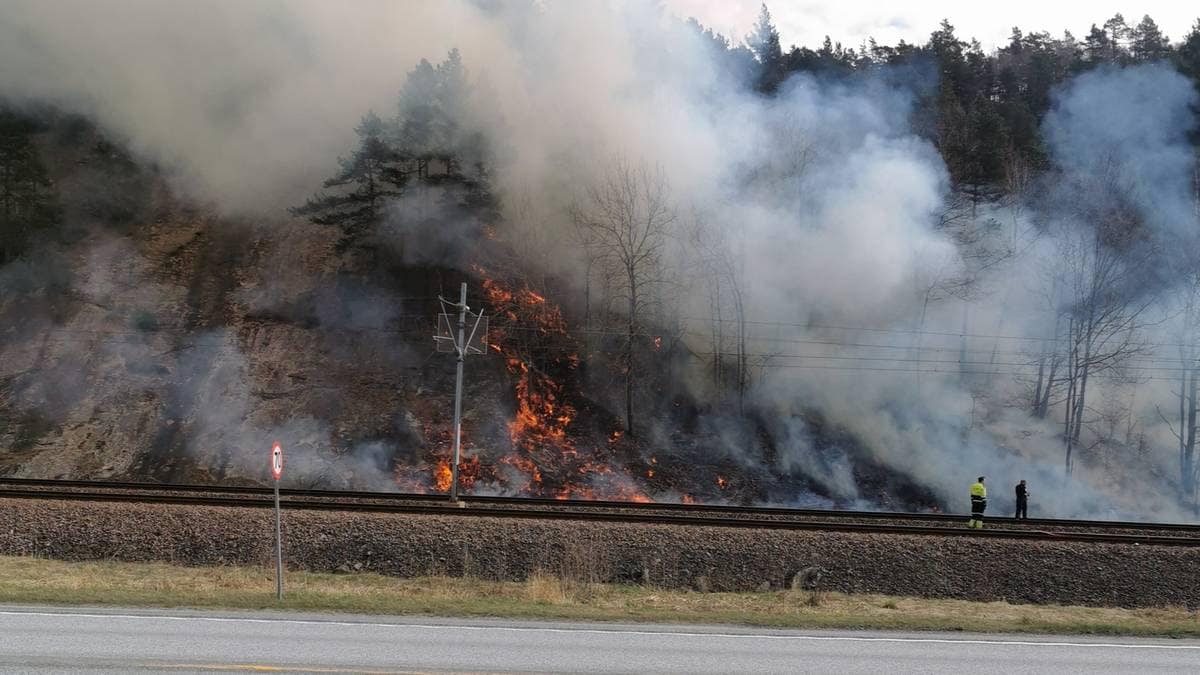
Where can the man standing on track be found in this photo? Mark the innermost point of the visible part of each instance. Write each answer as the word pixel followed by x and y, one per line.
pixel 1022 501
pixel 978 504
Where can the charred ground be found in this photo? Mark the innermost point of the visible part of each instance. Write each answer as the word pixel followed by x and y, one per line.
pixel 148 339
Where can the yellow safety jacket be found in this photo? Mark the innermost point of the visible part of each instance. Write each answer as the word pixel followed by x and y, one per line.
pixel 978 490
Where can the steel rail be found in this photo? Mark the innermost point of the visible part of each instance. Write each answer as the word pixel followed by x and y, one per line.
pixel 469 510
pixel 777 511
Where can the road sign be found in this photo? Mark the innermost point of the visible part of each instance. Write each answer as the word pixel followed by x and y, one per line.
pixel 277 471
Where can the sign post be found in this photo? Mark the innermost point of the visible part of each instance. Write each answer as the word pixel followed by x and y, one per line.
pixel 277 472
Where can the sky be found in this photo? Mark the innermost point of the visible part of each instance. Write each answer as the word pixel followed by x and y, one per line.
pixel 807 22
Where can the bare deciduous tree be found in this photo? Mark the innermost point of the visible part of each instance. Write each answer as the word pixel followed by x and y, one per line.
pixel 1101 261
pixel 627 219
pixel 956 274
pixel 1049 362
pixel 1187 270
pixel 723 279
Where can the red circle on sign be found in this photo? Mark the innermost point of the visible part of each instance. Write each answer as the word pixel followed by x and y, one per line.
pixel 276 461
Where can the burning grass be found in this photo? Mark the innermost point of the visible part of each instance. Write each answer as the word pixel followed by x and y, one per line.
pixel 541 454
pixel 538 434
pixel 545 596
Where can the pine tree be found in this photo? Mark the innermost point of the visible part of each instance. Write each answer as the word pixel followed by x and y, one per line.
pixel 450 102
pixel 416 125
pixel 987 140
pixel 1098 46
pixel 368 178
pixel 1187 57
pixel 444 154
pixel 950 54
pixel 430 114
pixel 1118 34
pixel 1117 28
pixel 1147 43
pixel 764 42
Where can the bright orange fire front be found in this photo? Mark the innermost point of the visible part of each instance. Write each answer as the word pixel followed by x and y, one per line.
pixel 543 450
pixel 442 476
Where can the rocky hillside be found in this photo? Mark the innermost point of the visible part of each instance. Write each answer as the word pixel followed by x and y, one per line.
pixel 147 338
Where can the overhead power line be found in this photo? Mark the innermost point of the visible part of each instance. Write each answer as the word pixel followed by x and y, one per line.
pixel 908 331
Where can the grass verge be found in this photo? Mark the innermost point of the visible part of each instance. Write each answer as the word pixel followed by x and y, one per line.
pixel 40 581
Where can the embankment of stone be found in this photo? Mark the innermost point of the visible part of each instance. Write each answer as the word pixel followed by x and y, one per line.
pixel 714 558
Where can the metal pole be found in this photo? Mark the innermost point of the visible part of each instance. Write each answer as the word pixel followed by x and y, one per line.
pixel 458 385
pixel 278 548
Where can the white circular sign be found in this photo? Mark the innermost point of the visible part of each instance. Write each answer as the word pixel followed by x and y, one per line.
pixel 276 461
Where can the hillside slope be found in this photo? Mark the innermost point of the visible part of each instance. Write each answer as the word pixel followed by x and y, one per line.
pixel 149 339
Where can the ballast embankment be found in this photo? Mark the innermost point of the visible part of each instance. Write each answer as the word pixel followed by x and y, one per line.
pixel 672 556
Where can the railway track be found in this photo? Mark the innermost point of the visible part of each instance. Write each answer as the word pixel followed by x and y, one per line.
pixel 1114 532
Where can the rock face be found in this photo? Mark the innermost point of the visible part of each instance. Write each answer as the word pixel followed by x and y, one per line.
pixel 173 357
pixel 152 339
pixel 148 337
pixel 717 559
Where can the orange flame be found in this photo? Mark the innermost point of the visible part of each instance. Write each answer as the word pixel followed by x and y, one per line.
pixel 442 476
pixel 544 454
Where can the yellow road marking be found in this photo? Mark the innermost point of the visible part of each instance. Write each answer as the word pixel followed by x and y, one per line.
pixel 259 668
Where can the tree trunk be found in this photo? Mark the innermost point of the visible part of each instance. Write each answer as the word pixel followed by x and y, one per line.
pixel 919 342
pixel 1080 397
pixel 1037 393
pixel 963 369
pixel 718 337
pixel 742 362
pixel 1184 376
pixel 632 273
pixel 587 294
pixel 1082 371
pixel 1188 470
pixel 1070 412
pixel 1050 382
pixel 1068 423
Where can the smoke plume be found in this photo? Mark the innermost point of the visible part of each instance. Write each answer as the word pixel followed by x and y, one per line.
pixel 874 297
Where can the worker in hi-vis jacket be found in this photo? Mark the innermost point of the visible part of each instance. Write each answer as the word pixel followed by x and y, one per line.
pixel 978 504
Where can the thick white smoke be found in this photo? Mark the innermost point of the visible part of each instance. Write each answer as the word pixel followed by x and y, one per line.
pixel 831 207
pixel 1134 122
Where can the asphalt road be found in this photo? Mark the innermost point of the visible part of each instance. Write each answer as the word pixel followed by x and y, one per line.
pixel 36 639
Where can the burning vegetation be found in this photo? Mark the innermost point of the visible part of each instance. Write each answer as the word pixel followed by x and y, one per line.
pixel 554 442
pixel 540 454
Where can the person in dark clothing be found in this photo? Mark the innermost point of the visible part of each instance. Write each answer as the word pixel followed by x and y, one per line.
pixel 1022 501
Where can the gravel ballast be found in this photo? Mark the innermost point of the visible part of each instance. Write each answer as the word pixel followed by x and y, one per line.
pixel 711 558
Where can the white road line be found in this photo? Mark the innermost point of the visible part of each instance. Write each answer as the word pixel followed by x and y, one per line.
pixel 601 631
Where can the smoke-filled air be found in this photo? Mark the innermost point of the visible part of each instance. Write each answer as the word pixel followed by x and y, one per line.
pixel 713 269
